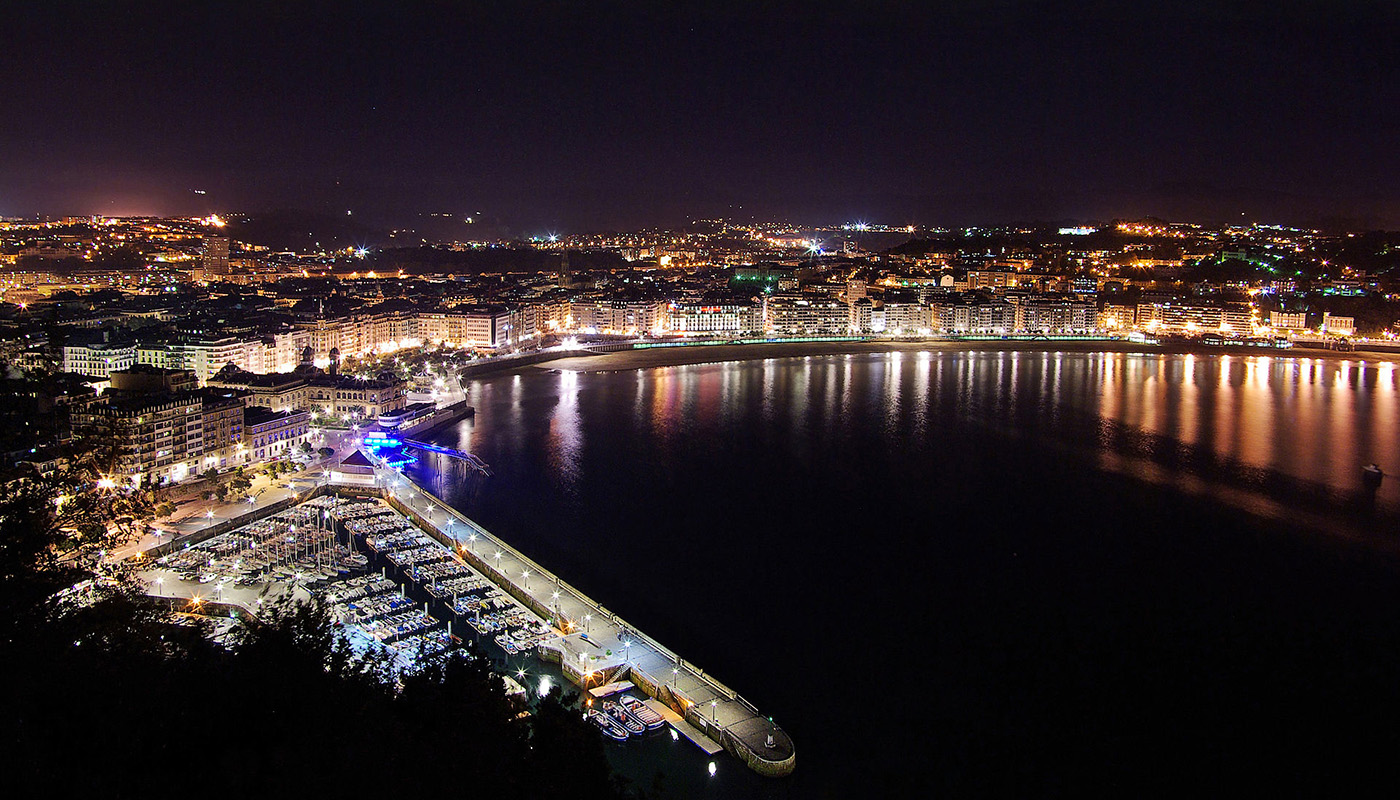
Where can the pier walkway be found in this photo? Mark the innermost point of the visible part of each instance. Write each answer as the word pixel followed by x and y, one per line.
pixel 599 647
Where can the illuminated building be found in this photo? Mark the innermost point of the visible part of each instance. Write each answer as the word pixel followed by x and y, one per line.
pixel 714 317
pixel 273 434
pixel 468 326
pixel 279 391
pixel 1192 319
pixel 973 316
pixel 1055 315
pixel 901 317
pixel 611 315
pixel 160 436
pixel 859 317
pixel 214 258
pixel 99 359
pixel 152 380
pixel 344 396
pixel 789 314
pixel 223 414
pixel 277 352
pixel 1338 326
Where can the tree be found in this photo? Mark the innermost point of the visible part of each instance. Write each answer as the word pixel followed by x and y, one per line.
pixel 239 483
pixel 94 663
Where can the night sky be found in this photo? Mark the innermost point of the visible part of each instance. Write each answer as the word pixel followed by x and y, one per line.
pixel 600 115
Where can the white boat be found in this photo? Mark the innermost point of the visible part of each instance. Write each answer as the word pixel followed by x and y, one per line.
pixel 641 711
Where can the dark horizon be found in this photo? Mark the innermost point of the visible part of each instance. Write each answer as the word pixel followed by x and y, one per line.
pixel 554 117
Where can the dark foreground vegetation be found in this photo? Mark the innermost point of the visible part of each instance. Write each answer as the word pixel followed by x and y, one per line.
pixel 107 691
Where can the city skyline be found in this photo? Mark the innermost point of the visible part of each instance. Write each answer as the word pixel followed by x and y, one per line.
pixel 625 116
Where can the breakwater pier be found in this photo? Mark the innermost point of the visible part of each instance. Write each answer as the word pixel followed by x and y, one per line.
pixel 597 647
pixel 593 647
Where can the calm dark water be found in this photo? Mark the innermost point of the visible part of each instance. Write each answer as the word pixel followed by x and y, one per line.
pixel 975 573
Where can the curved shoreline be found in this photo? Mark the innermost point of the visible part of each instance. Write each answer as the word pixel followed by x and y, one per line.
pixel 625 360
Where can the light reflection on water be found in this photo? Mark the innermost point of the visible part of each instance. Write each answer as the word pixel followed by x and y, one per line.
pixel 1261 418
pixel 688 497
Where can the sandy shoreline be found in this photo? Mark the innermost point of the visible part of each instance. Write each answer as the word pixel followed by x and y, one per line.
pixel 707 354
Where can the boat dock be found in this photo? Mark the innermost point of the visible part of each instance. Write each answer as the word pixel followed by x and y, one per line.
pixel 598 647
pixel 685 729
pixel 463 455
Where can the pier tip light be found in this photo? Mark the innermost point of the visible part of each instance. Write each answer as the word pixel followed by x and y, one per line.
pixel 712 769
pixel 675 736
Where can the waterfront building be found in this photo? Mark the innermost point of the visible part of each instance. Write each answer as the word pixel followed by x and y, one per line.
pixel 860 319
pixel 1338 326
pixel 709 317
pixel 905 317
pixel 274 434
pixel 618 316
pixel 1055 315
pixel 1191 319
pixel 475 326
pixel 359 334
pixel 1284 321
pixel 973 316
pixel 793 314
pixel 1117 317
pixel 356 398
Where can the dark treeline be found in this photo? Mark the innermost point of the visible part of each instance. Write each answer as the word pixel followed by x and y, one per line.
pixel 489 259
pixel 109 691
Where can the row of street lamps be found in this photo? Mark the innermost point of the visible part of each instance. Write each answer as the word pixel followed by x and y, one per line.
pixel 525 576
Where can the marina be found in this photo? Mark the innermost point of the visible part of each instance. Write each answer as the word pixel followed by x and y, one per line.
pixel 596 647
pixel 403 573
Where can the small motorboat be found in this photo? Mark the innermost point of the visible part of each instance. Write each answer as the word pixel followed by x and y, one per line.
pixel 641 712
pixel 609 726
pixel 633 725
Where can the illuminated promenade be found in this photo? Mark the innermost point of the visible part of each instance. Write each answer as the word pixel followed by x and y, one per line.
pixel 600 647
